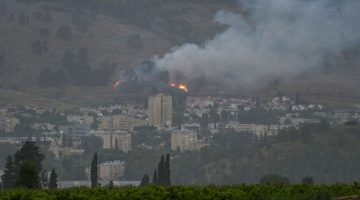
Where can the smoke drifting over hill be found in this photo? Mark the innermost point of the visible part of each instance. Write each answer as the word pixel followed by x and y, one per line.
pixel 273 38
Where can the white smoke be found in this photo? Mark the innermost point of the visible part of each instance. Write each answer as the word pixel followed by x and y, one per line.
pixel 273 38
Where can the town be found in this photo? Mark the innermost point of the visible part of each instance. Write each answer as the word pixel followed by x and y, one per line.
pixel 178 123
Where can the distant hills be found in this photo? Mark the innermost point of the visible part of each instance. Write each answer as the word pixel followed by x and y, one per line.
pixel 61 49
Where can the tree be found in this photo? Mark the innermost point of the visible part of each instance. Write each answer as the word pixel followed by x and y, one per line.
pixel 27 165
pixel 53 180
pixel 162 174
pixel 308 180
pixel 94 176
pixel 9 176
pixel 111 184
pixel 155 177
pixel 145 180
pixel 28 175
pixel 274 179
pixel 167 180
pixel 161 169
pixel 29 151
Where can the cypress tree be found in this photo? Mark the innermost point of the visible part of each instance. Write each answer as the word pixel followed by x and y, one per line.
pixel 94 176
pixel 111 184
pixel 155 177
pixel 9 176
pixel 167 180
pixel 161 169
pixel 145 180
pixel 53 180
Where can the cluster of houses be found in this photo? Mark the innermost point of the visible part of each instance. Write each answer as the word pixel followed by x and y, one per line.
pixel 115 124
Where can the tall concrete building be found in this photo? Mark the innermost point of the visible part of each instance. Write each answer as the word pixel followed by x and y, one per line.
pixel 160 110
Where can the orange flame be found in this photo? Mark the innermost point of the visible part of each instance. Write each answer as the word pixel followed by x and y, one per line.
pixel 180 86
pixel 117 84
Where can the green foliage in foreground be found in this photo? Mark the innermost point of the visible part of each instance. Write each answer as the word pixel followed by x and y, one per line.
pixel 251 192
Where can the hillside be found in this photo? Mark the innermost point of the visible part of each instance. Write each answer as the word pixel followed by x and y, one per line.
pixel 107 39
pixel 73 51
pixel 38 39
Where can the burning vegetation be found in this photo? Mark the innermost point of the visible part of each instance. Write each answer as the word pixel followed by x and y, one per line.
pixel 145 78
pixel 180 86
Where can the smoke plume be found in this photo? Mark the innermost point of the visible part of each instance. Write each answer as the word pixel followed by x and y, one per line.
pixel 270 38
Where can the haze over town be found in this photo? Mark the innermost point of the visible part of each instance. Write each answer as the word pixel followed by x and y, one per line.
pixel 221 92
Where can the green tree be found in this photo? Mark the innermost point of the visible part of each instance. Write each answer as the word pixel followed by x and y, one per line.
pixel 29 151
pixel 145 180
pixel 161 169
pixel 28 175
pixel 274 179
pixel 94 175
pixel 155 177
pixel 9 176
pixel 111 184
pixel 308 180
pixel 53 180
pixel 162 174
pixel 167 180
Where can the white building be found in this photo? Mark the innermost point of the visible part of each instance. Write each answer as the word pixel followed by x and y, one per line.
pixel 111 170
pixel 115 139
pixel 184 140
pixel 256 129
